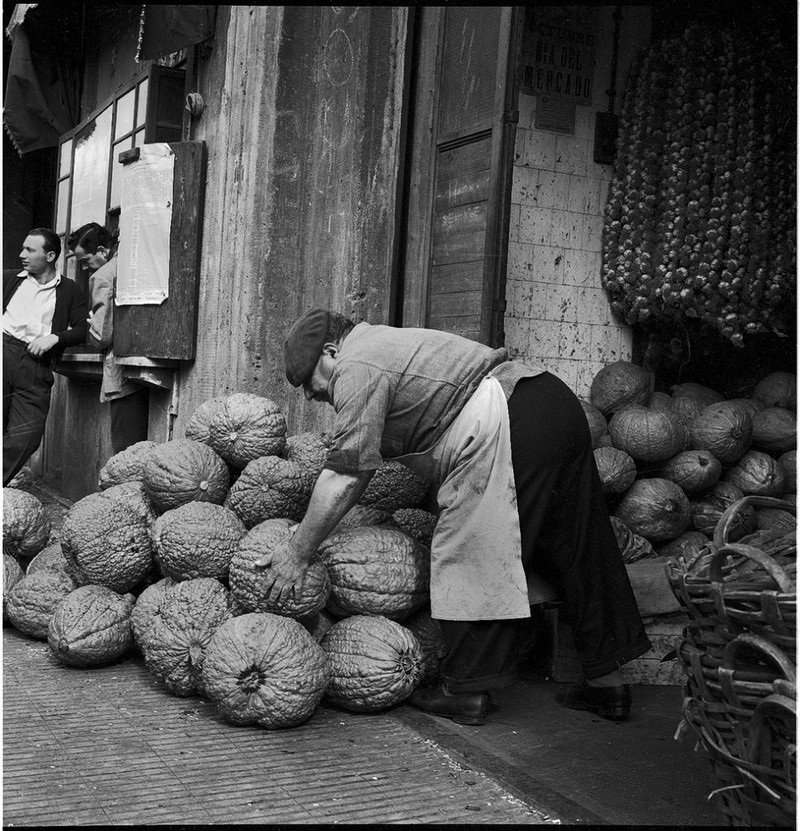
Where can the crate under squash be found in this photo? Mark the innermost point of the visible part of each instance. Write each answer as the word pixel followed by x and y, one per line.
pixel 665 634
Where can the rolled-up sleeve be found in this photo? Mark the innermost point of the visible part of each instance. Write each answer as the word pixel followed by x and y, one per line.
pixel 362 397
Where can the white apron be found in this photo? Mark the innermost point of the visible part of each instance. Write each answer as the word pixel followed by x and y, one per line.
pixel 476 566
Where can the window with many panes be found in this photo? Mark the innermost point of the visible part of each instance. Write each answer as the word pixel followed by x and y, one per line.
pixel 148 109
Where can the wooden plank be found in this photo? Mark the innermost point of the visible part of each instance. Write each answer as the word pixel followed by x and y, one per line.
pixel 169 330
pixel 456 277
pixel 458 235
pixel 460 219
pixel 472 155
pixel 467 326
pixel 456 304
pixel 422 158
pixel 468 69
pixel 467 188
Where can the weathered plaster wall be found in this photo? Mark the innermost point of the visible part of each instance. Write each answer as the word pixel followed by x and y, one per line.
pixel 557 313
pixel 302 126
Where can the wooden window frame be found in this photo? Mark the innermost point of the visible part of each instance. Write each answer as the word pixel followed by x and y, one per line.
pixel 150 130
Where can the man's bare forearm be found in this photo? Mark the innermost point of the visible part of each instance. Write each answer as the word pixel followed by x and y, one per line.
pixel 334 494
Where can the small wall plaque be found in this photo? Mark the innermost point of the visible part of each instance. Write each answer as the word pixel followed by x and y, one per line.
pixel 554 115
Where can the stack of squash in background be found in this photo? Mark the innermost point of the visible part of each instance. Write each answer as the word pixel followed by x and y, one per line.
pixel 671 463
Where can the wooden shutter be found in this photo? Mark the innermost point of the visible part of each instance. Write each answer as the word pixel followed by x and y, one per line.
pixel 169 331
pixel 460 183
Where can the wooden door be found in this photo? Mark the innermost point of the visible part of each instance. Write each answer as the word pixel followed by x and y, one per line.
pixel 460 164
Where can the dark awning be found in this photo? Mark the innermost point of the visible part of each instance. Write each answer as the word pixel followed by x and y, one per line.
pixel 36 109
pixel 166 29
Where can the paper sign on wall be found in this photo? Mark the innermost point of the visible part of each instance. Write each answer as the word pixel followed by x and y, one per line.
pixel 144 227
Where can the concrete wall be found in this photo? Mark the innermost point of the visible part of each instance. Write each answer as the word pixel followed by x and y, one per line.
pixel 302 124
pixel 557 313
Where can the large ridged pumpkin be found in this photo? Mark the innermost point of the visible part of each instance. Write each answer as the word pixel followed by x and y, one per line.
pixel 616 468
pixel 265 669
pixel 249 583
pixel 431 641
pixel 596 420
pixel 126 466
pixel 270 488
pixel 319 624
pixel 752 405
pixel 395 486
pixel 184 471
pixel 723 429
pixel 775 430
pixel 12 574
pixel 198 427
pixel 707 511
pixel 376 571
pixel 309 450
pixel 659 401
pixel 174 640
pixel 51 557
pixel 196 540
pixel 775 519
pixel 656 509
pixel 32 601
pixel 778 389
pixel 26 526
pixel 692 470
pixel 646 435
pixel 620 384
pixel 147 606
pixel 418 523
pixel 246 427
pixel 702 394
pixel 688 545
pixel 105 538
pixel 375 663
pixel 757 474
pixel 685 408
pixel 633 547
pixel 91 626
pixel 360 515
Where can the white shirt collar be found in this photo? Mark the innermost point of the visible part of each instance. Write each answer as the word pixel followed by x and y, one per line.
pixel 54 282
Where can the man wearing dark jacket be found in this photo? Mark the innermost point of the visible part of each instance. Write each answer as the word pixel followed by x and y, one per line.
pixel 43 313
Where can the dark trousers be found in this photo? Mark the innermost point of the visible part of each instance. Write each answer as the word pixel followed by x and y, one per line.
pixel 27 382
pixel 567 539
pixel 130 416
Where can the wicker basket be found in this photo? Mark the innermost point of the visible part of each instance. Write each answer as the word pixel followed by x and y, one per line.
pixel 729 589
pixel 758 789
pixel 738 652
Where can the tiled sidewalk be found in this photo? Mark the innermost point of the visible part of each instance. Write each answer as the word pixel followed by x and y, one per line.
pixel 108 746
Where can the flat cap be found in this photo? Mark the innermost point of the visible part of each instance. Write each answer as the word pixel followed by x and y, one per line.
pixel 303 346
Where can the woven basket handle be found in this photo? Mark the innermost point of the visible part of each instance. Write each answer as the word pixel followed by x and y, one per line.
pixel 777 706
pixel 782 580
pixel 776 655
pixel 728 517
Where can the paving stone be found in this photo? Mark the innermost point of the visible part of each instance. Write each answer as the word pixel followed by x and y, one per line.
pixel 108 746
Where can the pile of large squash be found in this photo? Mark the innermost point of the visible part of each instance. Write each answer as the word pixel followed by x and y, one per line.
pixel 671 463
pixel 161 560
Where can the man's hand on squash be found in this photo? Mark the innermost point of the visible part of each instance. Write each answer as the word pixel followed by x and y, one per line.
pixel 286 571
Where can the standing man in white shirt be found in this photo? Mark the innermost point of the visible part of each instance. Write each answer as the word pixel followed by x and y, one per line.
pixel 43 313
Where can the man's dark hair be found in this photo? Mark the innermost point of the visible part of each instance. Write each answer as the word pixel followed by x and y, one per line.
pixel 52 242
pixel 90 237
pixel 338 327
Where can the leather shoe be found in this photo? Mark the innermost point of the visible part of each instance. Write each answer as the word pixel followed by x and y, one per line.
pixel 463 708
pixel 612 703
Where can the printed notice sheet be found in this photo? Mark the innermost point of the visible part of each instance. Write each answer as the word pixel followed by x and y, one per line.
pixel 144 227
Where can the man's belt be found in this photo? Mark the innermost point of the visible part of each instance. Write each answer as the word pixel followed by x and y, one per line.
pixel 10 339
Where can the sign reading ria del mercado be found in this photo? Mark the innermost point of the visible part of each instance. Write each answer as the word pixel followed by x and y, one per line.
pixel 560 63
